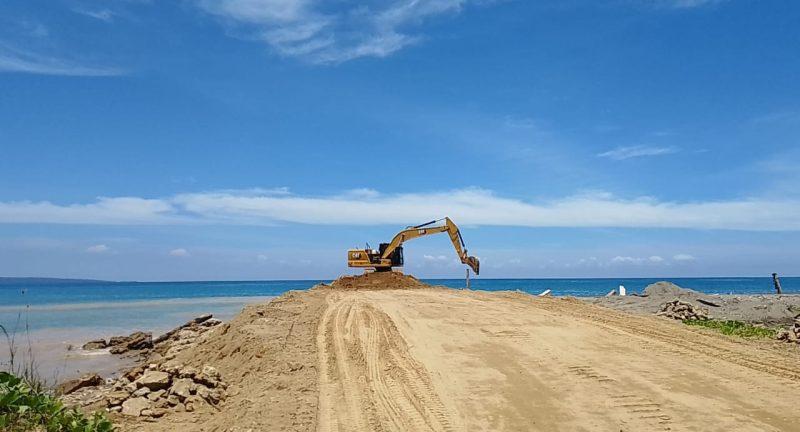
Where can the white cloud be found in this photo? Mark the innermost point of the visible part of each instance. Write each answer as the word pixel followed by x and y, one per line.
pixel 321 33
pixel 622 153
pixel 105 15
pixel 14 60
pixel 683 257
pixel 262 258
pixel 434 258
pixel 98 249
pixel 627 260
pixel 106 211
pixel 466 206
pixel 686 4
pixel 681 4
pixel 180 252
pixel 655 259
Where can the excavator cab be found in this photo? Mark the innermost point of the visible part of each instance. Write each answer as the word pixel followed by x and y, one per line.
pixel 395 257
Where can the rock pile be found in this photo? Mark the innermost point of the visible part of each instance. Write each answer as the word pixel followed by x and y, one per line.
pixel 136 341
pixel 73 385
pixel 168 345
pixel 155 390
pixel 792 334
pixel 158 384
pixel 681 310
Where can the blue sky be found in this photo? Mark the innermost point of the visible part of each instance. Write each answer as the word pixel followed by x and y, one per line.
pixel 259 139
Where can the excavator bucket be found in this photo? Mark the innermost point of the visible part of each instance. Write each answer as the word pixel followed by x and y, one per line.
pixel 473 263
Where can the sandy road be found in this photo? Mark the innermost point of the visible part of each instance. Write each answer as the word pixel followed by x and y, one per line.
pixel 440 360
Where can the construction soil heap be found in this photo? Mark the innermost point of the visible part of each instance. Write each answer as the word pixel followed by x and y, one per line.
pixel 385 352
pixel 376 281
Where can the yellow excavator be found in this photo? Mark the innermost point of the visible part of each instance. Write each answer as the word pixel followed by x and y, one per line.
pixel 390 254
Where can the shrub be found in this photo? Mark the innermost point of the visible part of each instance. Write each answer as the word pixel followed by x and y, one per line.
pixel 735 328
pixel 25 408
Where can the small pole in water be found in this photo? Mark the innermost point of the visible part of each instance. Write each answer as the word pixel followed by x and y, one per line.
pixel 777 282
pixel 467 278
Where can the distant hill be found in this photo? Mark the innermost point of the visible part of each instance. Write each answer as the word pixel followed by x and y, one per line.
pixel 45 281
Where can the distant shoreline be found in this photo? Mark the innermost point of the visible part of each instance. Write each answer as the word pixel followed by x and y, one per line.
pixel 48 281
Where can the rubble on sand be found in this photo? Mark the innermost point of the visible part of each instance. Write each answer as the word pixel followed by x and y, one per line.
pixel 171 343
pixel 158 385
pixel 681 310
pixel 158 389
pixel 767 309
pixel 792 334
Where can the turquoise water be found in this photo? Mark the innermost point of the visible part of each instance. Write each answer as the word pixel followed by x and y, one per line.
pixel 158 306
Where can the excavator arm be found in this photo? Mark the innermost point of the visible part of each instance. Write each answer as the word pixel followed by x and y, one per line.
pixel 426 229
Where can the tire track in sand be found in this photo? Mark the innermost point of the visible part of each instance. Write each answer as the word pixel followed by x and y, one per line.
pixel 368 379
pixel 686 342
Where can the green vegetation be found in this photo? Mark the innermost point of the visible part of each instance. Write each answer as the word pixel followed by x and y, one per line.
pixel 734 328
pixel 26 404
pixel 23 408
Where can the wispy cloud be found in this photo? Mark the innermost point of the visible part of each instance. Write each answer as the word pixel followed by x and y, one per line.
pixel 14 60
pixel 98 249
pixel 33 29
pixel 626 260
pixel 654 259
pixel 468 206
pixel 777 117
pixel 685 4
pixel 319 33
pixel 622 153
pixel 105 15
pixel 104 211
pixel 180 253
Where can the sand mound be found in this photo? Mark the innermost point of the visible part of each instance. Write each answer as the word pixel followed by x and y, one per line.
pixel 377 281
pixel 669 289
pixel 267 356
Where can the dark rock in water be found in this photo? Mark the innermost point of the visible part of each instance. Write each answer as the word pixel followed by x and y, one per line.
pixel 202 318
pixel 95 345
pixel 136 341
pixel 70 386
pixel 117 340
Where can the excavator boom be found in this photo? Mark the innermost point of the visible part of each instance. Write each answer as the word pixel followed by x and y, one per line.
pixel 391 254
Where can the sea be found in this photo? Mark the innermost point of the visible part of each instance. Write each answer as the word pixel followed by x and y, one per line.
pixel 51 320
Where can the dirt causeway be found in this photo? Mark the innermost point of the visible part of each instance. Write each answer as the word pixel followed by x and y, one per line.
pixel 432 359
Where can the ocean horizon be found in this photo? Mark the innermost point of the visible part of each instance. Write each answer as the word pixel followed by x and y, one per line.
pixel 157 306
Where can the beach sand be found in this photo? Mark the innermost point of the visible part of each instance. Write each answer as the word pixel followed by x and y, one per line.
pixel 434 359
